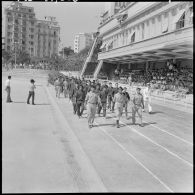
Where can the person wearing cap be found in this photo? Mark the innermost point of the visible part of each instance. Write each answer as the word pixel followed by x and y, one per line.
pixel 138 105
pixel 127 99
pixel 8 89
pixel 119 101
pixel 31 92
pixel 147 98
pixel 91 100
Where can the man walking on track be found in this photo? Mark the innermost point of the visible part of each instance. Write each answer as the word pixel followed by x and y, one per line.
pixel 80 98
pixel 119 100
pixel 31 92
pixel 8 89
pixel 110 94
pixel 127 99
pixel 92 101
pixel 65 85
pixel 115 91
pixel 138 105
pixel 103 98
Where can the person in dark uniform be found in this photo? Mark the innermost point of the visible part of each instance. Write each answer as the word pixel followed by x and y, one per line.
pixel 127 99
pixel 115 91
pixel 97 91
pixel 110 95
pixel 73 97
pixel 80 98
pixel 103 98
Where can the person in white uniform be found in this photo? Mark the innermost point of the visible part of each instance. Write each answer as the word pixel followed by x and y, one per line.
pixel 147 98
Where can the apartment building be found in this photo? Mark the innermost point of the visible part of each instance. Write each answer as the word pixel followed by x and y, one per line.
pixel 141 34
pixel 20 24
pixel 48 37
pixel 39 38
pixel 82 40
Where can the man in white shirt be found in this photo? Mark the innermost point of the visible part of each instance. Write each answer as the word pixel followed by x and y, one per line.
pixel 31 92
pixel 8 89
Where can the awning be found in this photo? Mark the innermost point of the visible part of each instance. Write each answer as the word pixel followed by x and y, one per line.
pixel 129 37
pixel 178 16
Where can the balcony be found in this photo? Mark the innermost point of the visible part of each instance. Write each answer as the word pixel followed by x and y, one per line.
pixel 179 39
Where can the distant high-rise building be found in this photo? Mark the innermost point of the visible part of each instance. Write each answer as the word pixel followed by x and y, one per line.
pixel 39 38
pixel 82 40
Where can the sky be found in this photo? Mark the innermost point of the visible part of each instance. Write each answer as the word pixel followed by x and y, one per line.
pixel 73 17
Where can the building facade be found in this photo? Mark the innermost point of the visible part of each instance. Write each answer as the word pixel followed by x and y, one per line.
pixel 20 24
pixel 145 33
pixel 82 40
pixel 48 37
pixel 39 38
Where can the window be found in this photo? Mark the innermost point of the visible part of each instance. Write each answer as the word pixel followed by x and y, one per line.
pixel 143 31
pixel 165 23
pixel 179 20
pixel 9 19
pixel 9 26
pixel 133 37
pixel 9 34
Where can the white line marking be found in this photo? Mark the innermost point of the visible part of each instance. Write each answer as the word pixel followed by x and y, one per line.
pixel 155 143
pixel 170 133
pixel 125 150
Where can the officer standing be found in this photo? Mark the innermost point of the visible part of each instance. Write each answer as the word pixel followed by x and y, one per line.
pixel 119 100
pixel 138 105
pixel 91 100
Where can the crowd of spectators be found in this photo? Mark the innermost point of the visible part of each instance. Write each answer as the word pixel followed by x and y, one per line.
pixel 169 78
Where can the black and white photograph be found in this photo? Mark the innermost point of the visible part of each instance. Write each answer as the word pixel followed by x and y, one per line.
pixel 97 96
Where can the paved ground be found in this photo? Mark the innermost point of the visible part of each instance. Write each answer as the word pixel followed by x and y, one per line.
pixel 48 149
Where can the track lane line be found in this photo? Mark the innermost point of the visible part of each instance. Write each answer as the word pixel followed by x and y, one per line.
pixel 181 139
pixel 126 151
pixel 155 143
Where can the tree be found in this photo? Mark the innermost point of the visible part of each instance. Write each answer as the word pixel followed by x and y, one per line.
pixel 66 51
